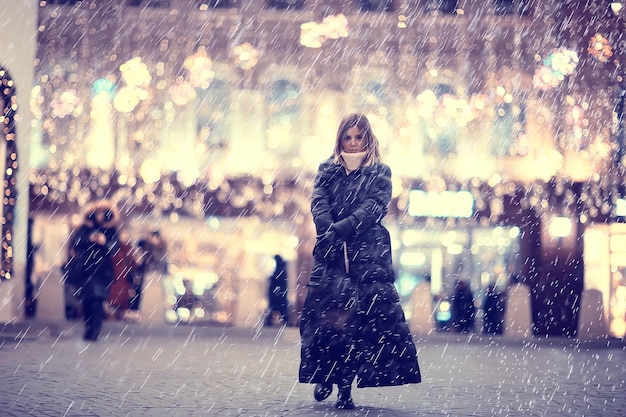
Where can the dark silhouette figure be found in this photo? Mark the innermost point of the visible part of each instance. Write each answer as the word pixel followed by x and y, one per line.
pixel 493 306
pixel 136 279
pixel 277 294
pixel 463 309
pixel 90 266
pixel 31 287
pixel 188 300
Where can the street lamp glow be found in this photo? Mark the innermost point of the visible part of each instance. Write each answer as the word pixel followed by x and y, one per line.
pixel 616 7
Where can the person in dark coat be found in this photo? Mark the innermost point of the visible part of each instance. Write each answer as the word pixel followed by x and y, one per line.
pixel 137 278
pixel 493 306
pixel 352 324
pixel 91 265
pixel 277 293
pixel 463 308
pixel 124 271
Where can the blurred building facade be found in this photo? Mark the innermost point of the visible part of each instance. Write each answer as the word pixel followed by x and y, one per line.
pixel 497 118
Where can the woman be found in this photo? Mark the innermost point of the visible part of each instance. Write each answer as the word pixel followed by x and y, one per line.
pixel 352 323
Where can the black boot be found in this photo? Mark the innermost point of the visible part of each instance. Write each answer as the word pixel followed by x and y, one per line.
pixel 322 391
pixel 344 399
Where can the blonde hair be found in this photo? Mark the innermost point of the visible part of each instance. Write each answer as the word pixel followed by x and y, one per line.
pixel 372 148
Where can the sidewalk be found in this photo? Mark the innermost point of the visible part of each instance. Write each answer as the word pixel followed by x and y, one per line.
pixel 35 328
pixel 164 370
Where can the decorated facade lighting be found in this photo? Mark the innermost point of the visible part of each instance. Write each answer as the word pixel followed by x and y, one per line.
pixel 245 56
pixel 128 97
pixel 563 61
pixel 136 75
pixel 199 68
pixel 103 86
pixel 66 103
pixel 135 72
pixel 313 34
pixel 575 120
pixel 599 48
pixel 9 98
pixel 555 67
pixel 616 7
pixel 544 79
pixel 182 93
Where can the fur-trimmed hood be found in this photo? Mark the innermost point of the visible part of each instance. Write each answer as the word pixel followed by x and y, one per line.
pixel 101 213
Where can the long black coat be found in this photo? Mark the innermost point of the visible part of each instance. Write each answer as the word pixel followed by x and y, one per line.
pixel 352 322
pixel 91 270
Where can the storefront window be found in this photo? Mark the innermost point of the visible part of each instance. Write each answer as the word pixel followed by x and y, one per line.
pixel 441 257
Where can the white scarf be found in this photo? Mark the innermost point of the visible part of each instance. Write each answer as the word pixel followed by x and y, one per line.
pixel 353 160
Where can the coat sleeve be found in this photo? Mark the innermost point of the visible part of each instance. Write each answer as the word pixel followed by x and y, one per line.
pixel 327 242
pixel 373 208
pixel 320 201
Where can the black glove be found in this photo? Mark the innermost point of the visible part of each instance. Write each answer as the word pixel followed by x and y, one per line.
pixel 343 228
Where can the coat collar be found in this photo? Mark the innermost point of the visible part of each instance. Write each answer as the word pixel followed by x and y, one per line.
pixel 329 167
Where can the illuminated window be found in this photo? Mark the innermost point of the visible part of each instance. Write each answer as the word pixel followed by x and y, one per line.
pixel 285 4
pixel 282 102
pixel 377 6
pixel 442 204
pixel 214 4
pixel 212 109
pixel 508 130
pixel 373 95
pixel 63 1
pixel 442 6
pixel 511 7
pixel 149 3
pixel 442 123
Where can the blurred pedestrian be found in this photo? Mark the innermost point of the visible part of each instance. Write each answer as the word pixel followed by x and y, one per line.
pixel 90 266
pixel 136 280
pixel 463 308
pixel 493 308
pixel 352 323
pixel 124 268
pixel 278 308
pixel 154 267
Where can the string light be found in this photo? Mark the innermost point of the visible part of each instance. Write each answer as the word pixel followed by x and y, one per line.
pixel 8 96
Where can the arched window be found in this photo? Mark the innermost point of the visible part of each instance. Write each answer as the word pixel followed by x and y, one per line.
pixel 377 5
pixel 442 115
pixel 442 6
pixel 285 4
pixel 511 7
pixel 508 129
pixel 283 103
pixel 373 97
pixel 373 94
pixel 214 4
pixel 212 109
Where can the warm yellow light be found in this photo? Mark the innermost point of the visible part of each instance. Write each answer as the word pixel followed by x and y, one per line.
pixel 616 7
pixel 560 226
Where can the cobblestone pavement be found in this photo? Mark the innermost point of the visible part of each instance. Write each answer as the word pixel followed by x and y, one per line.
pixel 143 370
